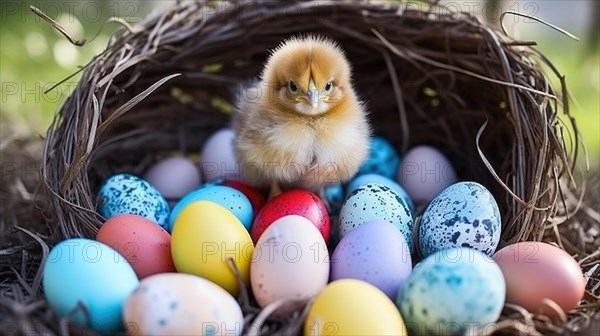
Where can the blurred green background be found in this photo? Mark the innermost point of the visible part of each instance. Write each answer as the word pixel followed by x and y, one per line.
pixel 34 56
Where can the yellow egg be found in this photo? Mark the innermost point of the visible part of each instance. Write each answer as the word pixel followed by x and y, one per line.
pixel 353 307
pixel 204 236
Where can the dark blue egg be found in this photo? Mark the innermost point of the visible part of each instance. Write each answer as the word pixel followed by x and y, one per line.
pixel 382 160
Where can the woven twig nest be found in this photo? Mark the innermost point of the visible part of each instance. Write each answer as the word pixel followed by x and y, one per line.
pixel 428 76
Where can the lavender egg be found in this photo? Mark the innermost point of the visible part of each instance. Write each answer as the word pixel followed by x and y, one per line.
pixel 463 215
pixel 375 252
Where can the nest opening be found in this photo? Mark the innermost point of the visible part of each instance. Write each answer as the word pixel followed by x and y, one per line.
pixel 427 76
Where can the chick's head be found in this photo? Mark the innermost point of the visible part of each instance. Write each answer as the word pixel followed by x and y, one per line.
pixel 307 75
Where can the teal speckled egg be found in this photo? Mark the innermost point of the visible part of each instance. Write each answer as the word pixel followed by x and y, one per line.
pixel 129 194
pixel 376 202
pixel 452 291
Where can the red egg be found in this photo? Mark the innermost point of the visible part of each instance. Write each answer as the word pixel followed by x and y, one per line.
pixel 143 243
pixel 294 202
pixel 254 195
pixel 536 271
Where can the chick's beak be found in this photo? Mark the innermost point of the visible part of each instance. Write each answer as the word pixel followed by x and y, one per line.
pixel 313 97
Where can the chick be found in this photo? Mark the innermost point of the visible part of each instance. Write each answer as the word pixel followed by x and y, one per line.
pixel 302 125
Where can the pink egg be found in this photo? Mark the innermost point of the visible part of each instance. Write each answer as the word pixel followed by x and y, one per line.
pixel 143 243
pixel 424 172
pixel 536 271
pixel 293 202
pixel 217 159
pixel 174 177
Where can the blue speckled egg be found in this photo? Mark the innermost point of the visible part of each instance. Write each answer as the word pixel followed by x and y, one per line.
pixel 382 160
pixel 450 291
pixel 380 179
pixel 129 194
pixel 463 215
pixel 373 202
pixel 227 197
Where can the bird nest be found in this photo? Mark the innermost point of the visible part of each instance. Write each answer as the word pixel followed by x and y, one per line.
pixel 428 75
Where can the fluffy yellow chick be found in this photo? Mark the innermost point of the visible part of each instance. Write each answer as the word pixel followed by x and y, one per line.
pixel 302 126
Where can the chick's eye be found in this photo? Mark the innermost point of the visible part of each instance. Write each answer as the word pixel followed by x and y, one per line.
pixel 293 87
pixel 328 86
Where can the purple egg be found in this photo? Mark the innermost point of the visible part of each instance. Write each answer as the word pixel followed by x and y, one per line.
pixel 375 252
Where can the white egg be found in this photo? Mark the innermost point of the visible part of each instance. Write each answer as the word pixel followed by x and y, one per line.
pixel 424 173
pixel 181 304
pixel 290 263
pixel 217 159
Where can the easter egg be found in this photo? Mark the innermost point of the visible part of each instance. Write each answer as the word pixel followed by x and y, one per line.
pixel 290 249
pixel 353 307
pixel 382 159
pixel 375 252
pixel 181 304
pixel 85 272
pixel 145 245
pixel 205 236
pixel 129 194
pixel 536 271
pixel 254 195
pixel 217 158
pixel 229 198
pixel 293 202
pixel 333 197
pixel 463 215
pixel 450 291
pixel 174 177
pixel 424 173
pixel 361 180
pixel 376 202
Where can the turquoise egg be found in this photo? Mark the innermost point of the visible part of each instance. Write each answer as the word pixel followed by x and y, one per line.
pixel 129 194
pixel 380 179
pixel 451 291
pixel 382 160
pixel 227 197
pixel 372 202
pixel 465 214
pixel 82 271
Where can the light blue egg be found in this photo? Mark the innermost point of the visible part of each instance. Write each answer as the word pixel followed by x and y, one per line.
pixel 376 202
pixel 380 179
pixel 382 160
pixel 93 274
pixel 450 291
pixel 129 194
pixel 229 198
pixel 463 215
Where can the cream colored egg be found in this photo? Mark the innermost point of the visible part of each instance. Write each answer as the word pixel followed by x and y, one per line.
pixel 181 304
pixel 290 263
